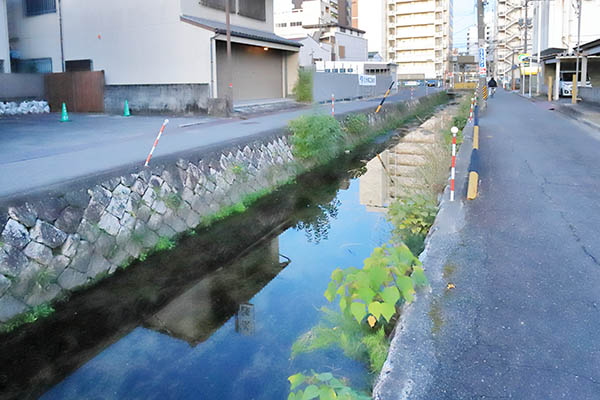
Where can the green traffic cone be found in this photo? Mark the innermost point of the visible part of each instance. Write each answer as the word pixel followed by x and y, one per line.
pixel 126 113
pixel 64 117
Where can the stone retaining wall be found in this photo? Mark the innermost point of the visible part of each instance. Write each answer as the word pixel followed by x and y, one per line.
pixel 58 243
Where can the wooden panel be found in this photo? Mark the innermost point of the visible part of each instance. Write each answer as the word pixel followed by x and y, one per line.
pixel 81 91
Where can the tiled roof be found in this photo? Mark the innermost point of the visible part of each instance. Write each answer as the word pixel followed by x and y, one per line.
pixel 240 31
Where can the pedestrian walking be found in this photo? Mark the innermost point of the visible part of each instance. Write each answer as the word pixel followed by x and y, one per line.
pixel 492 84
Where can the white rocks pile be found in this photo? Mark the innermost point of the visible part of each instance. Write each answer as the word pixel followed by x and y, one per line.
pixel 26 107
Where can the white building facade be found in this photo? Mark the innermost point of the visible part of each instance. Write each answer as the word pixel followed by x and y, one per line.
pixel 163 42
pixel 4 43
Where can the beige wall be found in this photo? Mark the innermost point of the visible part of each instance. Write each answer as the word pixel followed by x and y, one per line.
pixel 4 48
pixel 292 71
pixel 34 37
pixel 135 43
pixel 257 74
pixel 193 8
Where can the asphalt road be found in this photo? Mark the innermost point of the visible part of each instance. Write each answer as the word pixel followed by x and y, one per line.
pixel 523 319
pixel 37 150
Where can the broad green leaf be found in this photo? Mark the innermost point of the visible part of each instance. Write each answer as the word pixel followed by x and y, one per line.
pixel 296 380
pixel 378 275
pixel 341 290
pixel 292 396
pixel 390 295
pixel 362 279
pixel 365 294
pixel 326 393
pixel 418 277
pixel 330 292
pixel 406 288
pixel 401 257
pixel 336 384
pixel 310 392
pixel 350 271
pixel 375 309
pixel 388 310
pixel 343 304
pixel 358 310
pixel 337 275
pixel 324 377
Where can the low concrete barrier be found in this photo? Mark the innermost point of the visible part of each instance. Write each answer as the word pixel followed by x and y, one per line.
pixel 18 87
pixel 590 95
pixel 345 86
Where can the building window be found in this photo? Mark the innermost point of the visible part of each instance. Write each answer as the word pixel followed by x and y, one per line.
pixel 33 65
pixel 342 51
pixel 297 23
pixel 39 7
pixel 1 66
pixel 281 25
pixel 255 9
pixel 78 65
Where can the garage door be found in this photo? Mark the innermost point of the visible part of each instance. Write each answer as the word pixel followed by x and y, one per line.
pixel 257 73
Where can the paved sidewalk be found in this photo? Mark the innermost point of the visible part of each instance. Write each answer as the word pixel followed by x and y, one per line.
pixel 523 319
pixel 38 150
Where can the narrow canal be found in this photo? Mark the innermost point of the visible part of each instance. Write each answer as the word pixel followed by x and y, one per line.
pixel 216 317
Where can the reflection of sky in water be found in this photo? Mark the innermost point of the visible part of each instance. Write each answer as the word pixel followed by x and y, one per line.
pixel 149 365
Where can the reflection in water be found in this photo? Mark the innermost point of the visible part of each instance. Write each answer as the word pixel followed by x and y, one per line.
pixel 244 320
pixel 214 318
pixel 195 314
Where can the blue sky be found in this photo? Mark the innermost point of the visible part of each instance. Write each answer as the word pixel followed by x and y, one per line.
pixel 464 16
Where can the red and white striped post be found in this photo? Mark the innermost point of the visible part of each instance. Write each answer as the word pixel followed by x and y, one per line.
pixel 471 112
pixel 332 105
pixel 412 93
pixel 162 128
pixel 454 131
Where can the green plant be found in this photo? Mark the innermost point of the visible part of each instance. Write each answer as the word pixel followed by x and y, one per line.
pixel 164 243
pixel 356 124
pixel 126 263
pixel 315 137
pixel 143 256
pixel 303 89
pixel 28 317
pixel 390 274
pixel 45 277
pixel 413 215
pixel 323 386
pixel 172 200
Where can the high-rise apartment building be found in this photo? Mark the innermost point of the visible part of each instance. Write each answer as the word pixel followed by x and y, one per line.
pixel 415 34
pixel 419 37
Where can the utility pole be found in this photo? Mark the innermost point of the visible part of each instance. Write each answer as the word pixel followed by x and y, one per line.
pixel 577 79
pixel 525 51
pixel 229 95
pixel 481 41
pixel 539 45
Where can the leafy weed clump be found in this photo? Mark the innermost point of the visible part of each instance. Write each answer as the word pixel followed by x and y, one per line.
pixel 303 89
pixel 315 137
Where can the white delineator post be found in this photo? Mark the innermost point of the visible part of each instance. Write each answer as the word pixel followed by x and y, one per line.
pixel 332 105
pixel 412 93
pixel 454 131
pixel 162 128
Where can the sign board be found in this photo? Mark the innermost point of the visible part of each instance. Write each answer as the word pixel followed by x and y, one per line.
pixel 367 80
pixel 482 63
pixel 523 57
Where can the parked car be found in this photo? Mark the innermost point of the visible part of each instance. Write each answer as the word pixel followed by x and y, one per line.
pixel 566 83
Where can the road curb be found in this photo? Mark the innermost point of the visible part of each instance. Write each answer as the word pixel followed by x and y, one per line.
pixel 407 374
pixel 572 112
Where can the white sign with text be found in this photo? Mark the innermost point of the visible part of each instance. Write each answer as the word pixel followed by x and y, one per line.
pixel 367 80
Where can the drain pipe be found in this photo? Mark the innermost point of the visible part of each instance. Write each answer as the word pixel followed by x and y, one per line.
pixel 212 66
pixel 60 28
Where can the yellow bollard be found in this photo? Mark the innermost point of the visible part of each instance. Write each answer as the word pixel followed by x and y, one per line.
pixel 476 137
pixel 549 88
pixel 574 90
pixel 472 188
